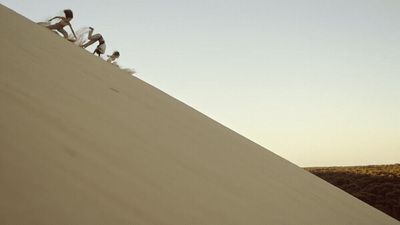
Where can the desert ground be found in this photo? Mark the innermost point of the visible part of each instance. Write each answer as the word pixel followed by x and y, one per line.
pixel 83 142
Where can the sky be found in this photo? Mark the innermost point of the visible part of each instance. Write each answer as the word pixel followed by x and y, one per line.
pixel 314 81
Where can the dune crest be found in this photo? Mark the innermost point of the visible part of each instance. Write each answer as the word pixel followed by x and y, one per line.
pixel 83 142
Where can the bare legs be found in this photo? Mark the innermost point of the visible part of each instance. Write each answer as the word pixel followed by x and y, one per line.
pixel 92 38
pixel 59 29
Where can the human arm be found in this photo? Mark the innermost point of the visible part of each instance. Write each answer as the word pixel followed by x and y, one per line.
pixel 72 31
pixel 56 17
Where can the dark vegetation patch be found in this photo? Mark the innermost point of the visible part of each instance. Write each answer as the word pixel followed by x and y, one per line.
pixel 378 185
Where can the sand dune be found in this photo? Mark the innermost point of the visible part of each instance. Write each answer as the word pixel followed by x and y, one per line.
pixel 82 142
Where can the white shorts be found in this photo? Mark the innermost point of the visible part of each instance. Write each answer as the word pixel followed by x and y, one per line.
pixel 102 48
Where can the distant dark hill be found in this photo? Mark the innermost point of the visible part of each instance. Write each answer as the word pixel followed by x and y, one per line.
pixel 377 185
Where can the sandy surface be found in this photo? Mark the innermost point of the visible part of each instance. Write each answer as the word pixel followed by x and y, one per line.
pixel 82 142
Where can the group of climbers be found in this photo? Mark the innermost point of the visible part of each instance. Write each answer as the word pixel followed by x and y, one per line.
pixel 92 38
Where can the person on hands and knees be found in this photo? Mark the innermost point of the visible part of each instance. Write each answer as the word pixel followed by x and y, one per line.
pixel 64 21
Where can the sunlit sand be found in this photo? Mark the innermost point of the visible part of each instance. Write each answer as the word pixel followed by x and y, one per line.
pixel 83 142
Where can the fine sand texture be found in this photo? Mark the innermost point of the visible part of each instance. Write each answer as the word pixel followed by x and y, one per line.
pixel 82 142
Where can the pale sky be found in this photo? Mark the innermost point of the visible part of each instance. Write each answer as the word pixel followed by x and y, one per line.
pixel 314 81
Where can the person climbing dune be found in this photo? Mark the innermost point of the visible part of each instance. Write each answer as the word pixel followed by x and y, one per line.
pixel 101 47
pixel 64 21
pixel 113 57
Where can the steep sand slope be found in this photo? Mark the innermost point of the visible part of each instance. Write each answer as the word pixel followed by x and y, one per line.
pixel 82 142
